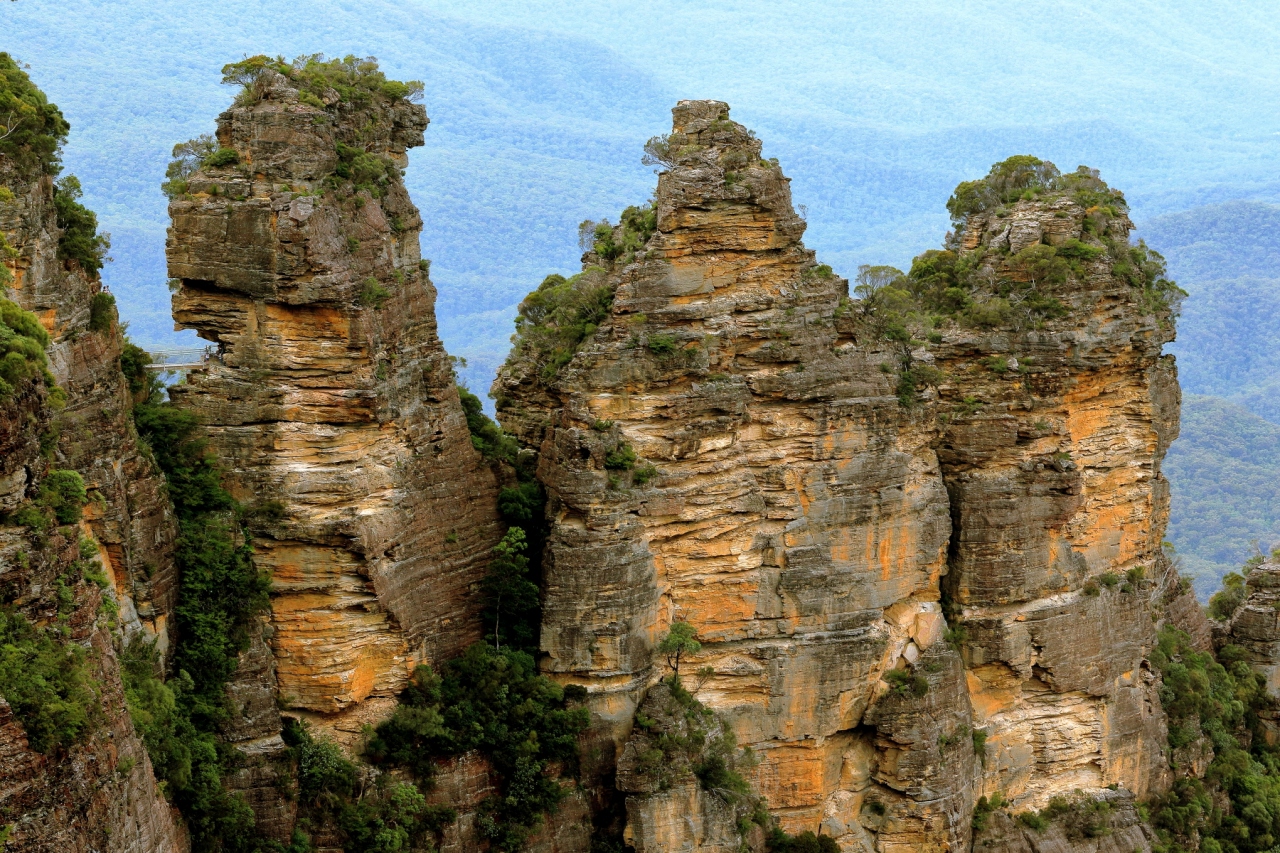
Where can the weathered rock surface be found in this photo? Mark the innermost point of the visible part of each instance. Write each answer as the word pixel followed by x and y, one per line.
pixel 100 795
pixel 332 403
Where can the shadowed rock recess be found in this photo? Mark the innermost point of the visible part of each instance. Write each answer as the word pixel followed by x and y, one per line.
pixel 921 570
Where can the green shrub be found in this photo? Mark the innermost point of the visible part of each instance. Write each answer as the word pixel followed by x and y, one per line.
pixel 354 80
pixel 621 458
pixel 1224 603
pixel 188 157
pixel 637 225
pixel 555 319
pixel 63 493
pixel 32 128
pixel 373 294
pixel 22 347
pixel 511 597
pixel 46 680
pixel 1034 820
pixel 486 436
pixel 904 682
pixel 102 314
pixel 222 157
pixel 643 474
pixel 1109 579
pixel 493 702
pixel 366 171
pixel 80 240
pixel 980 744
pixel 662 344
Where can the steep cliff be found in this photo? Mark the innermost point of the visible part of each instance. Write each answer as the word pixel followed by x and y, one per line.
pixel 331 403
pixel 917 533
pixel 86 531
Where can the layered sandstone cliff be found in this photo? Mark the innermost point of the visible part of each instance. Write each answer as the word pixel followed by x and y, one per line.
pixel 331 403
pixel 97 794
pixel 740 447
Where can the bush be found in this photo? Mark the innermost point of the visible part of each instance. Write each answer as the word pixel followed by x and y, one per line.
pixel 80 240
pixel 806 842
pixel 366 171
pixel 662 344
pixel 494 702
pixel 63 493
pixel 222 157
pixel 621 458
pixel 102 314
pixel 350 80
pixel 555 319
pixel 22 347
pixel 1224 603
pixel 188 157
pixel 486 436
pixel 33 129
pixel 511 597
pixel 904 682
pixel 46 680
pixel 373 294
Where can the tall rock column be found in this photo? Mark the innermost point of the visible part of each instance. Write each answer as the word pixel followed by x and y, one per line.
pixel 724 451
pixel 1058 416
pixel 331 402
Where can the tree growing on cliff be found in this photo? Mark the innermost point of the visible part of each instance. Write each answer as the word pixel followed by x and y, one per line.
pixel 680 640
pixel 512 597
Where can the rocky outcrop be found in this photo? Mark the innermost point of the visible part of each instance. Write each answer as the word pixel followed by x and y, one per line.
pixel 96 793
pixel 741 447
pixel 331 403
pixel 797 517
pixel 1051 456
pixel 1109 823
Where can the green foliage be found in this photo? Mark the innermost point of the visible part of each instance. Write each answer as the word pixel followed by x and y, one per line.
pixel 904 682
pixel 621 458
pixel 1027 177
pixel 45 678
pixel 1034 820
pixel 662 344
pixel 681 640
pixel 351 80
pixel 511 598
pixel 609 243
pixel 22 345
pixel 1225 602
pixel 779 841
pixel 188 157
pixel 555 319
pixel 102 313
pixel 980 744
pixel 219 592
pixel 486 436
pixel 222 157
pixel 1217 698
pixel 31 128
pixel 983 809
pixel 373 294
pixel 63 493
pixel 80 240
pixel 1144 269
pixel 366 171
pixel 492 701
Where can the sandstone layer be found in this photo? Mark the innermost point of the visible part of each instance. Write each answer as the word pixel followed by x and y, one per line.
pixel 331 403
pixel 822 529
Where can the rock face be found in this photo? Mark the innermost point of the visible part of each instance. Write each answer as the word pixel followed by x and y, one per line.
pixel 729 449
pixel 99 795
pixel 331 402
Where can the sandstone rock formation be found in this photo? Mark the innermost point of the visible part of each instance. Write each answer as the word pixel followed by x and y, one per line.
pixel 738 447
pixel 100 793
pixel 331 403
